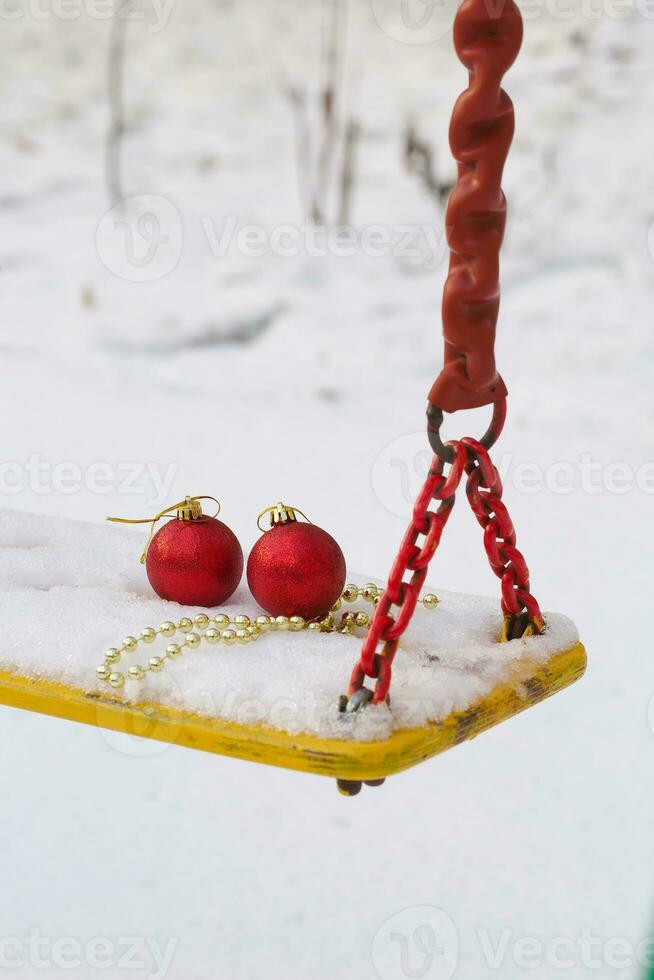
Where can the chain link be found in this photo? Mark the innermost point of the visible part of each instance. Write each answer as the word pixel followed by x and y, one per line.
pixel 484 493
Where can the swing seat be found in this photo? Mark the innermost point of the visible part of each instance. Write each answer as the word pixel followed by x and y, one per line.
pixel 526 683
pixel 70 590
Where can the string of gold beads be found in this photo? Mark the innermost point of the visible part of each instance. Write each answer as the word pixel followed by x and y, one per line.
pixel 222 628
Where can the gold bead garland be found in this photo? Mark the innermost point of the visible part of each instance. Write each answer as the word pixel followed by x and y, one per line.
pixel 241 629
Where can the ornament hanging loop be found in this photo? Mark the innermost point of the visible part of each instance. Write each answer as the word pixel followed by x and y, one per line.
pixel 188 509
pixel 280 514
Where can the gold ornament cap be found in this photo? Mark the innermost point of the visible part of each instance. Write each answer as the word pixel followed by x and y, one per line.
pixel 188 509
pixel 280 514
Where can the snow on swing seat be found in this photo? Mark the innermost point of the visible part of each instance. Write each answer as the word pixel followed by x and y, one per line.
pixel 70 590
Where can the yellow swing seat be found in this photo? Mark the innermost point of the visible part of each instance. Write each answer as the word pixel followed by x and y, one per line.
pixel 452 678
pixel 526 683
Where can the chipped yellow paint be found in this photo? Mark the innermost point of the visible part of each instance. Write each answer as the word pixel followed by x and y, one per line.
pixel 527 684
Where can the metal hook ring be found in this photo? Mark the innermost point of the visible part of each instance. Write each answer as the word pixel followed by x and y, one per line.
pixel 446 451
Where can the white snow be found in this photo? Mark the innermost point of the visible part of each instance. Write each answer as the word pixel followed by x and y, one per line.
pixel 541 829
pixel 85 583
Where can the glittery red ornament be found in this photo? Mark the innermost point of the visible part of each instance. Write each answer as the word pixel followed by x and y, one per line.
pixel 195 563
pixel 295 569
pixel 194 559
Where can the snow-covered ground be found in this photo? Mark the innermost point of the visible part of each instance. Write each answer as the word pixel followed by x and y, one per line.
pixel 255 376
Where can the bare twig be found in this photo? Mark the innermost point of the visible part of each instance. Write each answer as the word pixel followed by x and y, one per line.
pixel 348 171
pixel 420 157
pixel 319 139
pixel 115 79
pixel 303 146
pixel 329 105
pixel 297 98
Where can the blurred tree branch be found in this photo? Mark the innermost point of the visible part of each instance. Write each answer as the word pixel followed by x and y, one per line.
pixel 115 89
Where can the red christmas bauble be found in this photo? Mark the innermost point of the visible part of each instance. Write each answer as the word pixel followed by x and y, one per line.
pixel 296 569
pixel 195 562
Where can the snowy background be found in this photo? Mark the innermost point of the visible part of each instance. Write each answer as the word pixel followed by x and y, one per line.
pixel 254 375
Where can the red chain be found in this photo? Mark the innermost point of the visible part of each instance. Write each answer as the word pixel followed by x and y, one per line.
pixel 487 38
pixel 484 492
pixel 486 41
